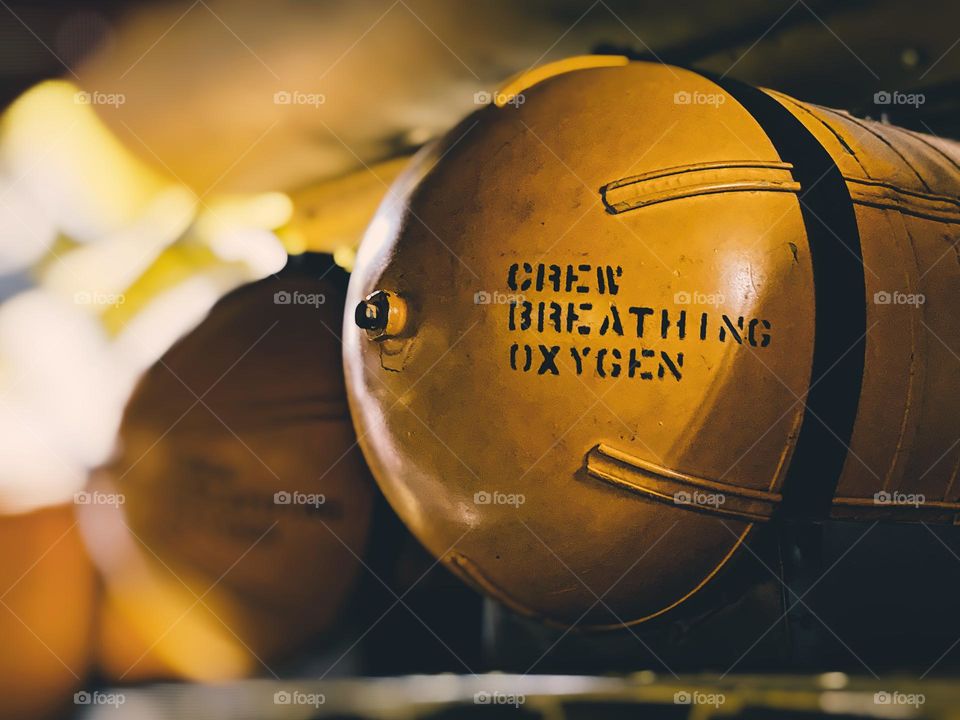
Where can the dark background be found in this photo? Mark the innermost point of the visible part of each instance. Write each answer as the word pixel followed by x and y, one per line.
pixel 836 53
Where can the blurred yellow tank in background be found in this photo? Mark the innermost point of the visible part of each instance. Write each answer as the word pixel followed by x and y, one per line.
pixel 244 501
pixel 125 260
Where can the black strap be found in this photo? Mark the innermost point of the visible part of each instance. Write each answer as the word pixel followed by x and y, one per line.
pixel 840 306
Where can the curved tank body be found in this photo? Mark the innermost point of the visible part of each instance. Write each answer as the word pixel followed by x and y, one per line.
pixel 626 314
pixel 246 506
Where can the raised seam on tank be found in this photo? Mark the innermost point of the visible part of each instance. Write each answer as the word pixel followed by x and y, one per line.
pixel 889 509
pixel 903 200
pixel 930 206
pixel 684 491
pixel 670 184
pixel 695 179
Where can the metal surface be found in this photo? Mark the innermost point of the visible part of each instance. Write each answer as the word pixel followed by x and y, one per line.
pixel 555 697
pixel 647 310
pixel 230 550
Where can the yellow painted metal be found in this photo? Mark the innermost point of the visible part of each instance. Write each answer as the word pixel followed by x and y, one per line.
pixel 330 216
pixel 612 326
pixel 231 549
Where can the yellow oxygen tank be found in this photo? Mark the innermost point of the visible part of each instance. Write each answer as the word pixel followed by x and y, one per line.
pixel 634 313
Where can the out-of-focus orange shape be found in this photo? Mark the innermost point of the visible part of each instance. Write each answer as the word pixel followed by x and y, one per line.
pixel 125 652
pixel 47 596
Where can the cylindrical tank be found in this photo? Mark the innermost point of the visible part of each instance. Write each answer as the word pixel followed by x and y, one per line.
pixel 628 313
pixel 232 522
